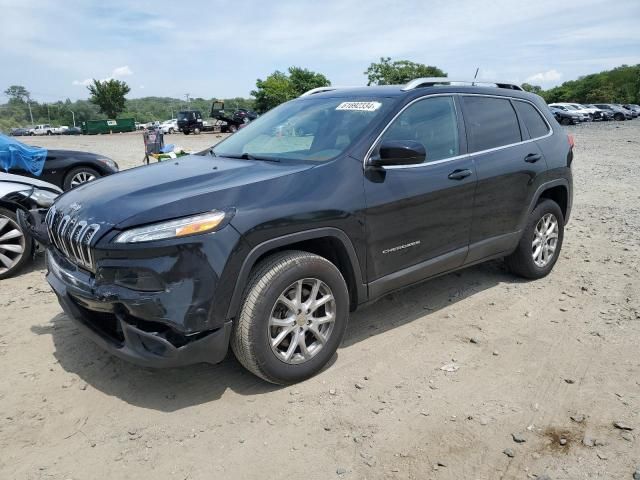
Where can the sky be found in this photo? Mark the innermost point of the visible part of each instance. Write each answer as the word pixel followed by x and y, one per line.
pixel 219 48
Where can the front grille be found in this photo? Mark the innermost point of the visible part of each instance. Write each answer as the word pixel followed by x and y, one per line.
pixel 72 237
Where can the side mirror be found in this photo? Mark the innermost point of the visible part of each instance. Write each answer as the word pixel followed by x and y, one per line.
pixel 399 152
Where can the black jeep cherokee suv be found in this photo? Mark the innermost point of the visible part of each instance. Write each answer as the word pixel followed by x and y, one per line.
pixel 267 240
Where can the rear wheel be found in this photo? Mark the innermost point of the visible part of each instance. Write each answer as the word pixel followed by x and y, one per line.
pixel 78 176
pixel 293 317
pixel 15 244
pixel 619 116
pixel 540 243
pixel 196 131
pixel 233 129
pixel 566 121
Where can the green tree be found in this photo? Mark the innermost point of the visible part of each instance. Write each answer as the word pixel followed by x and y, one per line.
pixel 279 87
pixel 109 96
pixel 397 72
pixel 17 93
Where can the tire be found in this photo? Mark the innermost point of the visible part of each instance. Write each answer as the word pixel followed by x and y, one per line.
pixel 276 277
pixel 196 131
pixel 78 176
pixel 566 121
pixel 11 260
pixel 233 129
pixel 171 130
pixel 619 116
pixel 186 132
pixel 521 261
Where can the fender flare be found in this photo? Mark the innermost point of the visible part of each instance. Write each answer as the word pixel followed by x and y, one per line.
pixel 540 190
pixel 274 243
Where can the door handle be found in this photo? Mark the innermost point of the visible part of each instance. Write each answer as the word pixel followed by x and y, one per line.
pixel 532 158
pixel 459 174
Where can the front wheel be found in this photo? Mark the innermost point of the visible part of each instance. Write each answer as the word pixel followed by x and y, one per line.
pixel 619 117
pixel 78 176
pixel 293 317
pixel 540 243
pixel 566 121
pixel 15 244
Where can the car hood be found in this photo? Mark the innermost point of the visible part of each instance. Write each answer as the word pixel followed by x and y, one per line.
pixel 19 180
pixel 73 154
pixel 170 189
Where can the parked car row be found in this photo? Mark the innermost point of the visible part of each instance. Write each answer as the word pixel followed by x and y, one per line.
pixel 574 113
pixel 44 129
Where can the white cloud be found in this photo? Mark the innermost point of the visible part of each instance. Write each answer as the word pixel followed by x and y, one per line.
pixel 84 83
pixel 121 71
pixel 545 77
pixel 116 73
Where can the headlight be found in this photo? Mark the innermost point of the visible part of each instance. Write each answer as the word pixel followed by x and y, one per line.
pixel 42 198
pixel 108 162
pixel 181 227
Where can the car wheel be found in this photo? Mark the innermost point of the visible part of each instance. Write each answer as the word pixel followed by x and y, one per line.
pixel 566 121
pixel 196 131
pixel 619 116
pixel 233 128
pixel 171 130
pixel 78 176
pixel 186 132
pixel 293 317
pixel 15 244
pixel 541 242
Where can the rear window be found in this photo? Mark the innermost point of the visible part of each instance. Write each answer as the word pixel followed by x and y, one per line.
pixel 491 123
pixel 532 119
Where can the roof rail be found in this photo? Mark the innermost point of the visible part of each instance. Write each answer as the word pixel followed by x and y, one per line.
pixel 432 81
pixel 318 90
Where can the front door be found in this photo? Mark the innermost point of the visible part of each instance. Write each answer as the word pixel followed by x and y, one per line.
pixel 418 217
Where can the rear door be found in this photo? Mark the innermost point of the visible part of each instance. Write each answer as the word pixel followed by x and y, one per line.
pixel 509 164
pixel 418 216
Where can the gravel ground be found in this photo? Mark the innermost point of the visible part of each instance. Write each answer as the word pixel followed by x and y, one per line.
pixel 540 371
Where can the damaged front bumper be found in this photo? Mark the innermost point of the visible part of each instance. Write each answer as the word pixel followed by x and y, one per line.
pixel 124 322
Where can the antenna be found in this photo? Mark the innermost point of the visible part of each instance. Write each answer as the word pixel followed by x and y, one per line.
pixel 475 76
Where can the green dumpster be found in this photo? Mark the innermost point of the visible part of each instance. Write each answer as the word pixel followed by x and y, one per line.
pixel 93 127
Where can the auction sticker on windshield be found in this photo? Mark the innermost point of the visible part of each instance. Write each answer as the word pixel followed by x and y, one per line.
pixel 359 106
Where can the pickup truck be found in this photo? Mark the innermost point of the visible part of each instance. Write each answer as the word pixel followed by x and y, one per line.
pixel 46 129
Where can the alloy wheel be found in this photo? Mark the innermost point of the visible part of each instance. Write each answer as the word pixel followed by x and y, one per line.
pixel 302 320
pixel 545 240
pixel 81 177
pixel 12 244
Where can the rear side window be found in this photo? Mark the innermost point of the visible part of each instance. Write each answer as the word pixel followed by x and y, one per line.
pixel 491 122
pixel 532 119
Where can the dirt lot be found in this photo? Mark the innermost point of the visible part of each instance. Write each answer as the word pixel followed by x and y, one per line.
pixel 554 359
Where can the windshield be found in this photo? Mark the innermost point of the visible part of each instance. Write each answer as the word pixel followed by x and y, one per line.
pixel 313 129
pixel 186 115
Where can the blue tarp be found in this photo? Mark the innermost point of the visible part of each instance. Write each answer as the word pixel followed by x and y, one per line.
pixel 18 156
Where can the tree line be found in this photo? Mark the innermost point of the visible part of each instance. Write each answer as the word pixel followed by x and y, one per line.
pixel 107 98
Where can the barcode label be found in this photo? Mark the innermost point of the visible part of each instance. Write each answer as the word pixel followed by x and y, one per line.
pixel 359 106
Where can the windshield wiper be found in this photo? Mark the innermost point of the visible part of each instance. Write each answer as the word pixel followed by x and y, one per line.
pixel 248 156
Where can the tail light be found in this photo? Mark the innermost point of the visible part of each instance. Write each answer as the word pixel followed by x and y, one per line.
pixel 572 142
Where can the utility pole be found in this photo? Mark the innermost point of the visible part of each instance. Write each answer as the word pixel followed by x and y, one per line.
pixel 73 115
pixel 187 96
pixel 48 113
pixel 30 112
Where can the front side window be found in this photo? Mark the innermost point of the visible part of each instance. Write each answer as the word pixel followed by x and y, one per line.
pixel 491 122
pixel 313 129
pixel 532 119
pixel 433 123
